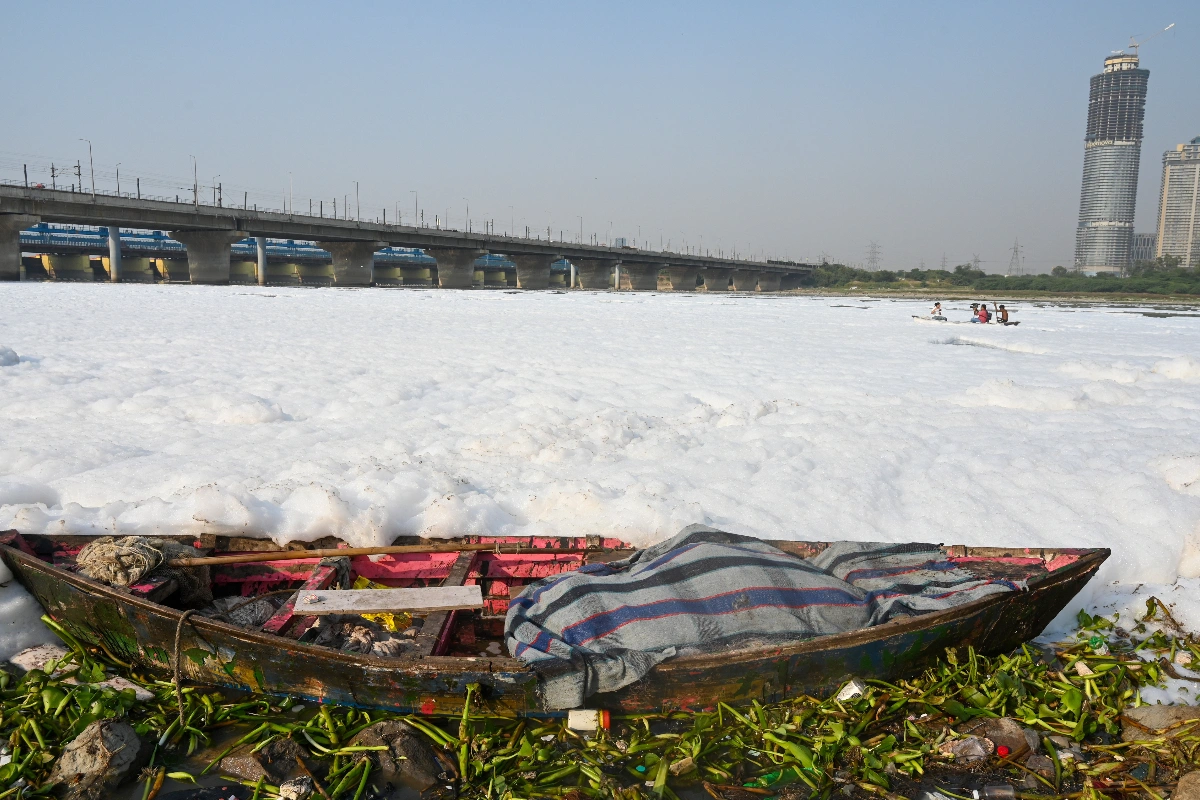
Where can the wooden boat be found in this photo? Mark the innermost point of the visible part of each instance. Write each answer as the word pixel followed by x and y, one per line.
pixel 138 625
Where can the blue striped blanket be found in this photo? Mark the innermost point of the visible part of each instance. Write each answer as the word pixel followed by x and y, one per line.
pixel 604 626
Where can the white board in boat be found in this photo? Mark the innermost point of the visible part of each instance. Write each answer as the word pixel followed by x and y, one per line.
pixel 375 601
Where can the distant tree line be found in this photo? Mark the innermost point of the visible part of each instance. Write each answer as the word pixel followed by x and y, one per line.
pixel 1163 275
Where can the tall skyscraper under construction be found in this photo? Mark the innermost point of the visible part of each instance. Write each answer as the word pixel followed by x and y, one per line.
pixel 1112 150
pixel 1179 204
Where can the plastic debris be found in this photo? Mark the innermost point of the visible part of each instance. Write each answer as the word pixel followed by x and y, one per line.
pixel 855 688
pixel 971 748
pixel 588 719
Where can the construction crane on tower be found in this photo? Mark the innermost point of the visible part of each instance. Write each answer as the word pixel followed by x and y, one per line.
pixel 1134 44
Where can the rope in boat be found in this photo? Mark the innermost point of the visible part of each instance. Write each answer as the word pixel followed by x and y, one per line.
pixel 178 665
pixel 179 641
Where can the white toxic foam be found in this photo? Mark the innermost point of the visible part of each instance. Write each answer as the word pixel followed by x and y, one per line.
pixel 294 414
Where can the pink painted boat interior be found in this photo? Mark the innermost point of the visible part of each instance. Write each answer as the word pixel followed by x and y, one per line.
pixel 501 577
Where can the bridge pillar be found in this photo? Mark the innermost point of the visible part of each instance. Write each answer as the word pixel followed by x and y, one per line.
pixel 769 281
pixel 683 279
pixel 791 280
pixel 353 262
pixel 640 277
pixel 261 270
pixel 595 273
pixel 716 279
pixel 208 254
pixel 11 226
pixel 533 271
pixel 745 280
pixel 455 266
pixel 114 253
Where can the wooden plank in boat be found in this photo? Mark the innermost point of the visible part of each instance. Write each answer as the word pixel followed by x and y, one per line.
pixel 377 601
pixel 322 576
pixel 430 635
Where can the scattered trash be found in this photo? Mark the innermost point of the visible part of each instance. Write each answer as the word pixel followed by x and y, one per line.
pixel 1041 764
pixel 995 791
pixel 300 788
pixel 586 719
pixel 1004 732
pixel 248 613
pixel 682 766
pixel 971 748
pixel 855 688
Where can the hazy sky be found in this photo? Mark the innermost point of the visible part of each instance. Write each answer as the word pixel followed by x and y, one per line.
pixel 785 128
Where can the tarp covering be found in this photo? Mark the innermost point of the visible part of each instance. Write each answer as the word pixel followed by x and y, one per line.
pixel 604 626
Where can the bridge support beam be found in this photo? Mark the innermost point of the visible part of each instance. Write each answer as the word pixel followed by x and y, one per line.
pixel 11 226
pixel 745 280
pixel 261 269
pixel 595 273
pixel 533 271
pixel 683 279
pixel 114 254
pixel 455 266
pixel 769 281
pixel 716 279
pixel 640 277
pixel 353 262
pixel 208 254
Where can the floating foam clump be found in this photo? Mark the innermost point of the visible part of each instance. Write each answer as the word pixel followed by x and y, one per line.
pixel 8 358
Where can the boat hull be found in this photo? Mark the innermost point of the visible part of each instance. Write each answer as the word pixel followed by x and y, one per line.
pixel 142 633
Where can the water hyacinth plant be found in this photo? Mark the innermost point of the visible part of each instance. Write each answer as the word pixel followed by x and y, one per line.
pixel 886 739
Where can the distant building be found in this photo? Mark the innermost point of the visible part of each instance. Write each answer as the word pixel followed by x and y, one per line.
pixel 1144 247
pixel 1112 150
pixel 1178 220
pixel 620 241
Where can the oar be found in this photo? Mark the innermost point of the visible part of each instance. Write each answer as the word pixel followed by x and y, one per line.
pixel 335 552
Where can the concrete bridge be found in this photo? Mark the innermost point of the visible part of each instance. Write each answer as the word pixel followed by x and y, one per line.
pixel 209 233
pixel 81 253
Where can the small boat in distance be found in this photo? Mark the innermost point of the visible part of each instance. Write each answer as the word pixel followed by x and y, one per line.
pixel 433 665
pixel 943 321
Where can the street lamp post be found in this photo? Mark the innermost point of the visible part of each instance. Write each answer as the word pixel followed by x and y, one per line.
pixel 468 220
pixel 413 192
pixel 92 166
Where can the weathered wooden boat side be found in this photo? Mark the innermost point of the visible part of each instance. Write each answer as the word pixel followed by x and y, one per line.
pixel 143 633
pixel 996 624
pixel 138 631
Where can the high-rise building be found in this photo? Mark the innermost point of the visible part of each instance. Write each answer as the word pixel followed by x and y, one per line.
pixel 1179 204
pixel 1112 150
pixel 1144 247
